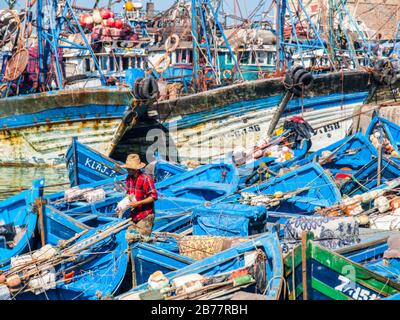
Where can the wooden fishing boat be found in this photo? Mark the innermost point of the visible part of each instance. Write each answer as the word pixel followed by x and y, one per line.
pixel 372 175
pixel 149 259
pixel 253 266
pixel 207 182
pixel 86 165
pixel 74 203
pixel 60 227
pixel 91 266
pixel 18 219
pixel 161 253
pixel 163 170
pixel 299 191
pixel 252 171
pixel 36 129
pixel 344 157
pixel 316 273
pixel 200 132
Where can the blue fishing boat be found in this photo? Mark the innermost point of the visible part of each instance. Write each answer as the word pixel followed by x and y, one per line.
pixel 59 226
pixel 367 177
pixel 199 131
pixel 86 165
pixel 162 252
pixel 371 247
pixel 92 266
pixel 266 167
pixel 344 157
pixel 299 191
pixel 270 157
pixel 163 170
pixel 206 183
pixel 112 191
pixel 18 219
pixel 230 271
pixel 149 258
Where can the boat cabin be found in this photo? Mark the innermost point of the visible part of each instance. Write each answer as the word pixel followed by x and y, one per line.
pixel 113 62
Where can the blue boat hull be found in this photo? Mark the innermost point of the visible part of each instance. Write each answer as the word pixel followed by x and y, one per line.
pixel 36 129
pixel 98 273
pixel 316 190
pixel 85 165
pixel 19 211
pixel 231 260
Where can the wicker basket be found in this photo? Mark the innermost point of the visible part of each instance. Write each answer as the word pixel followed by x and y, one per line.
pixel 200 247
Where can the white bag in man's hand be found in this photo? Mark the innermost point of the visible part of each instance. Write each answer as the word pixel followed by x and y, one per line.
pixel 123 205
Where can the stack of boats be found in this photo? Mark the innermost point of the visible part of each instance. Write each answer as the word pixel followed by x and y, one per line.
pixel 256 225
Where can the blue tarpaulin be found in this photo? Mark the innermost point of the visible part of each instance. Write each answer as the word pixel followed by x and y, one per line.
pixel 132 74
pixel 229 220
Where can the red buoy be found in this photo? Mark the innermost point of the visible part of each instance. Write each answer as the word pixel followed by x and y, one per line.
pixel 111 22
pixel 119 23
pixel 105 13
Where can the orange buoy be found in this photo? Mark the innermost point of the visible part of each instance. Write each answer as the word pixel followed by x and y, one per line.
pixel 395 203
pixel 129 6
pixel 13 281
pixel 68 276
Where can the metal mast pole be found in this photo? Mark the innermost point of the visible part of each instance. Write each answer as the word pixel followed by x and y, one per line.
pixel 39 11
pixel 194 41
pixel 278 35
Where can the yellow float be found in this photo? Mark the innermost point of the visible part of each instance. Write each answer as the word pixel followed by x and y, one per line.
pixel 129 6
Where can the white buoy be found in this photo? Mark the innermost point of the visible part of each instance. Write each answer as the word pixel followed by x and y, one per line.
pixel 137 5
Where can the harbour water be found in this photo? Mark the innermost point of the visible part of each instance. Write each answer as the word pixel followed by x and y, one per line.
pixel 13 180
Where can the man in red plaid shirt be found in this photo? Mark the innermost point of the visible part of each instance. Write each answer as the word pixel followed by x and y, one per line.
pixel 141 187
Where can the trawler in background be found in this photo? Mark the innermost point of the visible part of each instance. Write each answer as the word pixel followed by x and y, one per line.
pixel 230 110
pixel 205 70
pixel 42 105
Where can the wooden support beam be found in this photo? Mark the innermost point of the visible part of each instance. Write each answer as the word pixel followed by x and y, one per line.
pixel 39 205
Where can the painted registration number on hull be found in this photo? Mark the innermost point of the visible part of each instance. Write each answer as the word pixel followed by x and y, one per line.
pixel 351 289
pixel 327 128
